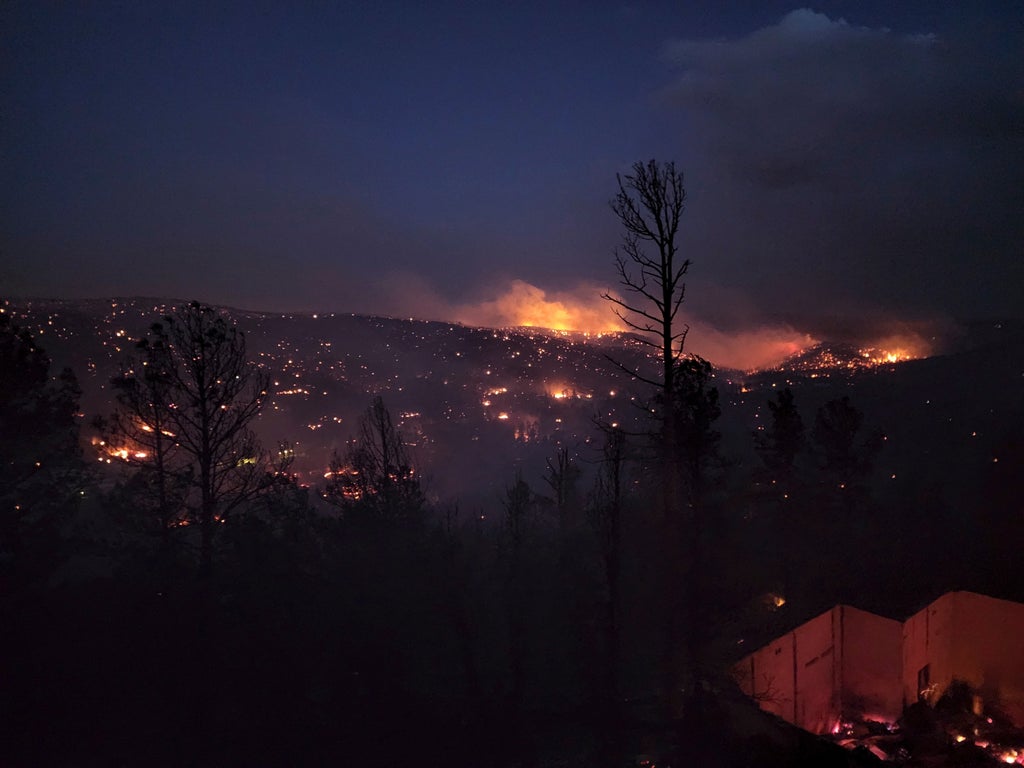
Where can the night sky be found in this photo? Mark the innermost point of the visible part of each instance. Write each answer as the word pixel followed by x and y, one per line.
pixel 861 159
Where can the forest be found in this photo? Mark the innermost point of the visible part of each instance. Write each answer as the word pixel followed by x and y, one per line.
pixel 186 600
pixel 201 607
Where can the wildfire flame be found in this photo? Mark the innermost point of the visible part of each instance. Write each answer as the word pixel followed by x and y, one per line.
pixel 896 349
pixel 561 391
pixel 526 305
pixel 582 309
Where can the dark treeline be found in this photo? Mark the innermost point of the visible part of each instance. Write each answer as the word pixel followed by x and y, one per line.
pixel 184 601
pixel 199 607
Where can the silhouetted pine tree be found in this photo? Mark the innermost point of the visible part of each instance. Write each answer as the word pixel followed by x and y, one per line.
pixel 42 475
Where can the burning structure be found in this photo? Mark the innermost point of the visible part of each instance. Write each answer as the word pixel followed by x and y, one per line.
pixel 851 665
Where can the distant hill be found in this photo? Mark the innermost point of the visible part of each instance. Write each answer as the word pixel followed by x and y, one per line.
pixel 475 403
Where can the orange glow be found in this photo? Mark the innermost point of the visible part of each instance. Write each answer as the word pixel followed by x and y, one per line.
pixel 746 349
pixel 519 303
pixel 526 305
pixel 896 349
pixel 560 391
pixel 109 452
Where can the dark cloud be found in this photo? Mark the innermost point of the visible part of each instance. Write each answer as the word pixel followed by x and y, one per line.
pixel 834 167
pixel 388 161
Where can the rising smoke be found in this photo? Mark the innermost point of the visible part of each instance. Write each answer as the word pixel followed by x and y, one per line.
pixel 521 304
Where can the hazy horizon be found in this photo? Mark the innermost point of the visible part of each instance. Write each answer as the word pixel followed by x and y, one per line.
pixel 859 160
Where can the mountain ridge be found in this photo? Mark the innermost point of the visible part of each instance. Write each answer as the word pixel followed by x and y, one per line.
pixel 478 402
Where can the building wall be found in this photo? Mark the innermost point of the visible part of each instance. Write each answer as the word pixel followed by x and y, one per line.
pixel 928 645
pixel 871 666
pixel 970 637
pixel 848 663
pixel 767 676
pixel 818 646
pixel 842 663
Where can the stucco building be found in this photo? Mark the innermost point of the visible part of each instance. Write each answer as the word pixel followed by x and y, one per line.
pixel 969 637
pixel 849 664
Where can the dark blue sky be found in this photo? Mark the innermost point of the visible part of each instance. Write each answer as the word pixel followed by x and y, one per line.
pixel 414 158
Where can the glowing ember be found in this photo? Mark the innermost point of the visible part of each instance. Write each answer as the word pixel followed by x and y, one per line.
pixel 825 360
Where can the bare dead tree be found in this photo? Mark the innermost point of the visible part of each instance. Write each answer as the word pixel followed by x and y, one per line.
pixel 649 206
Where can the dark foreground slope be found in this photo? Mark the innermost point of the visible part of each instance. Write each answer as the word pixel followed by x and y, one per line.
pixel 451 640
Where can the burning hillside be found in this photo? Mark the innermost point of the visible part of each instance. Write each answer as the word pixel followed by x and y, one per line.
pixel 825 359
